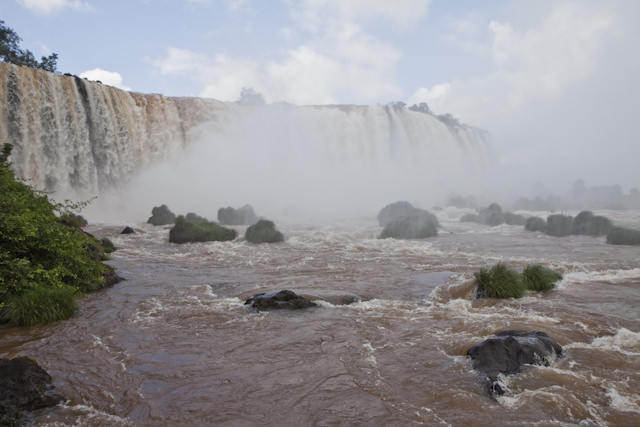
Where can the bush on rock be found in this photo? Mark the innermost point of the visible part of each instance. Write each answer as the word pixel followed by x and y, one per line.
pixel 623 236
pixel 161 215
pixel 185 231
pixel 263 231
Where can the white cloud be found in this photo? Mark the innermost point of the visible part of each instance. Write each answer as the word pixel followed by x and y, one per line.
pixel 563 91
pixel 45 7
pixel 107 77
pixel 339 60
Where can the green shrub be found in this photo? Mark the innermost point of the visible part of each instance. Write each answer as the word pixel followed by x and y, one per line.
pixel 185 231
pixel 499 281
pixel 623 236
pixel 559 225
pixel 539 278
pixel 161 215
pixel 588 223
pixel 536 224
pixel 399 210
pixel 40 256
pixel 263 231
pixel 73 220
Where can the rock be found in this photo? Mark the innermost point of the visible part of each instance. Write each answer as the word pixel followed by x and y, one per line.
pixel 241 216
pixel 24 387
pixel 559 225
pixel 536 223
pixel 127 230
pixel 592 225
pixel 410 227
pixel 282 300
pixel 161 215
pixel 492 215
pixel 263 231
pixel 399 210
pixel 509 352
pixel 623 236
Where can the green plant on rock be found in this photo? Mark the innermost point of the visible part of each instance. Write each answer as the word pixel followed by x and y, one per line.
pixel 44 263
pixel 623 236
pixel 263 231
pixel 161 215
pixel 185 231
pixel 539 278
pixel 499 281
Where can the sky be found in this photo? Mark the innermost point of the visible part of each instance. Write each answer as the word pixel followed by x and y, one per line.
pixel 555 82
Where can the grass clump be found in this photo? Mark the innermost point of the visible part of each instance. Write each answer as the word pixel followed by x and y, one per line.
pixel 499 281
pixel 263 231
pixel 539 278
pixel 45 260
pixel 185 231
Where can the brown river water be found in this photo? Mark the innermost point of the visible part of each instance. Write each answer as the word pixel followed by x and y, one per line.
pixel 173 344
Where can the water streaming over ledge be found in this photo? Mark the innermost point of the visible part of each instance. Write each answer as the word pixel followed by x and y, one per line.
pixel 74 135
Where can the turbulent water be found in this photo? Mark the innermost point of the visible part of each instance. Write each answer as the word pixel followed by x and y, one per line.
pixel 174 345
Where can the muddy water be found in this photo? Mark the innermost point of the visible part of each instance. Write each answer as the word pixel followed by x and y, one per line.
pixel 173 344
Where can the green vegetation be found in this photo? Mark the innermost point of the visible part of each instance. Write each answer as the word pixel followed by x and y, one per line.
pixel 44 262
pixel 539 278
pixel 559 225
pixel 10 52
pixel 161 215
pixel 185 231
pixel 588 223
pixel 263 231
pixel 501 281
pixel 623 236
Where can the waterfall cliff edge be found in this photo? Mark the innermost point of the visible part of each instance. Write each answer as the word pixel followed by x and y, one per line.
pixel 74 135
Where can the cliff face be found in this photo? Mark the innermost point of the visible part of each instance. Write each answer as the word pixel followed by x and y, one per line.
pixel 70 134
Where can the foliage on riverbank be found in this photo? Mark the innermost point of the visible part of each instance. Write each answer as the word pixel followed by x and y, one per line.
pixel 45 260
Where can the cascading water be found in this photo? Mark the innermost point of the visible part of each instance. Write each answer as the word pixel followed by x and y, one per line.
pixel 74 136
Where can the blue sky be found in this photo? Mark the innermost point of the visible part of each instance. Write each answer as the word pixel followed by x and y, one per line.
pixel 544 76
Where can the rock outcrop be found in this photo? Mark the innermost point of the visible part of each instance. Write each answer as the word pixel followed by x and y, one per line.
pixel 509 352
pixel 282 300
pixel 24 388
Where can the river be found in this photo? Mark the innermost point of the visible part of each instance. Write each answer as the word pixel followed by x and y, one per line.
pixel 174 345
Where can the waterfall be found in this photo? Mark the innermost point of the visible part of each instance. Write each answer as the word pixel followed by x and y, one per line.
pixel 75 136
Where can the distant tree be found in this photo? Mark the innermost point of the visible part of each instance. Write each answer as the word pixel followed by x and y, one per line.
pixel 10 52
pixel 250 96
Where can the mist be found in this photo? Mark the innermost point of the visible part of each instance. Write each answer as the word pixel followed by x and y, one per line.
pixel 316 163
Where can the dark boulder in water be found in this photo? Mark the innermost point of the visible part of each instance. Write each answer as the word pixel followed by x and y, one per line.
pixel 242 216
pixel 24 388
pixel 508 352
pixel 403 221
pixel 127 230
pixel 282 300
